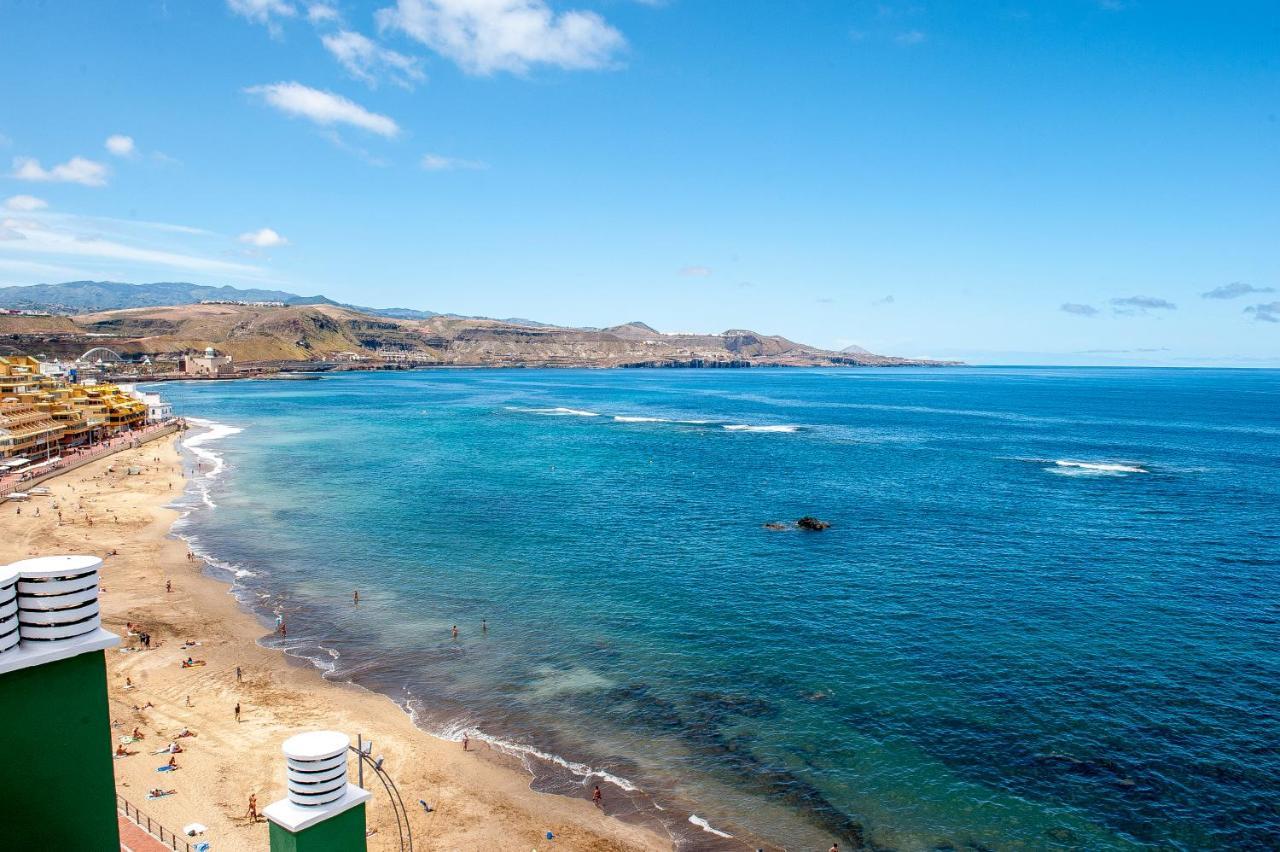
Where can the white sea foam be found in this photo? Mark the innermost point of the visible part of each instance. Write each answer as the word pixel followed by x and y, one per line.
pixel 623 418
pixel 454 731
pixel 1067 467
pixel 706 826
pixel 558 411
pixel 743 427
pixel 215 432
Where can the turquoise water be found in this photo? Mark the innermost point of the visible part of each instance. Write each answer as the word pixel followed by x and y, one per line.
pixel 1046 615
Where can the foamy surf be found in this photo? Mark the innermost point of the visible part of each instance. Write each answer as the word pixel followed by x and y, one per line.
pixel 706 826
pixel 215 432
pixel 558 411
pixel 523 752
pixel 743 427
pixel 1067 467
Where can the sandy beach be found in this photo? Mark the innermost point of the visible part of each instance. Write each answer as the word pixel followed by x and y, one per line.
pixel 479 800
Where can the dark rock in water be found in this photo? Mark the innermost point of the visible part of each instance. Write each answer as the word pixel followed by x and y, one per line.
pixel 809 522
pixel 774 525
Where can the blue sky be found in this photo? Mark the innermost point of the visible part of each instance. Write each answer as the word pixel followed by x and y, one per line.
pixel 1002 182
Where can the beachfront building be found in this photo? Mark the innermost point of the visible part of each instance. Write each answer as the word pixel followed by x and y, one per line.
pixel 27 432
pixel 42 413
pixel 159 410
pixel 207 365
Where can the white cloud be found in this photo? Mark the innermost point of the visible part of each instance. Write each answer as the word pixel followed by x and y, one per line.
pixel 322 13
pixel 695 271
pixel 25 203
pixel 323 108
pixel 263 238
pixel 76 170
pixel 439 163
pixel 365 59
pixel 121 145
pixel 64 243
pixel 484 36
pixel 263 11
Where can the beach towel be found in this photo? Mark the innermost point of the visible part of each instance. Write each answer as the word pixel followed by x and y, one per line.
pixel 165 768
pixel 126 739
pixel 201 847
pixel 165 750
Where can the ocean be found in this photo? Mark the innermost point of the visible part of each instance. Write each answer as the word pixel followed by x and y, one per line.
pixel 1046 614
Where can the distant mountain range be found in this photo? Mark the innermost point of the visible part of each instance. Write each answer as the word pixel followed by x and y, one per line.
pixel 86 297
pixel 164 319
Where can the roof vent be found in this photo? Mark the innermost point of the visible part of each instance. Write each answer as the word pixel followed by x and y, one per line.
pixel 57 597
pixel 317 767
pixel 8 608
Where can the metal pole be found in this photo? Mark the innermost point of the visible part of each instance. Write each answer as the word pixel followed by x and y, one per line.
pixel 360 763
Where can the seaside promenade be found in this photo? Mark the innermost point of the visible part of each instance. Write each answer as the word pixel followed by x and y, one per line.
pixel 13 482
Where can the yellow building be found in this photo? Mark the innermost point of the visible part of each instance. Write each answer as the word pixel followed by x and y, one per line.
pixel 41 415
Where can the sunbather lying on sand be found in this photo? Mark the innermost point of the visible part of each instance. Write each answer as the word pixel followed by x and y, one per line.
pixel 157 793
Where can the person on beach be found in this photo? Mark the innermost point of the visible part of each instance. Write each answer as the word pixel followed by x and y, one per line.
pixel 466 741
pixel 239 677
pixel 597 798
pixel 237 711
pixel 252 813
pixel 173 762
pixel 168 586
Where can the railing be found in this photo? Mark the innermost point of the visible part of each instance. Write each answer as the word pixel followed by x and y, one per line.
pixel 150 826
pixel 124 441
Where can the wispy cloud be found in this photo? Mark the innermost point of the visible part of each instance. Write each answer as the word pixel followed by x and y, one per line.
pixel 441 163
pixel 368 61
pixel 1078 309
pixel 323 108
pixel 263 238
pixel 1268 312
pixel 25 203
pixel 322 13
pixel 120 145
pixel 485 36
pixel 1235 290
pixel 76 170
pixel 72 244
pixel 695 271
pixel 1130 305
pixel 887 300
pixel 265 12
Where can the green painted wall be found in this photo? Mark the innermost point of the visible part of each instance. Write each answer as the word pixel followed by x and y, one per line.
pixel 341 833
pixel 57 789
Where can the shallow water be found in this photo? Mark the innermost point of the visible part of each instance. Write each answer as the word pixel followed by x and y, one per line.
pixel 1046 615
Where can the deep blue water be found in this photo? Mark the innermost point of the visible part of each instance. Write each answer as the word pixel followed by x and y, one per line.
pixel 988 649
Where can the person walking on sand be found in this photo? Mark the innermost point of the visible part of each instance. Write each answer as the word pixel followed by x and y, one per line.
pixel 168 586
pixel 237 711
pixel 252 813
pixel 597 798
pixel 239 678
pixel 466 741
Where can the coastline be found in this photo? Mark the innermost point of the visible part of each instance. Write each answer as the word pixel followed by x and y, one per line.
pixel 479 798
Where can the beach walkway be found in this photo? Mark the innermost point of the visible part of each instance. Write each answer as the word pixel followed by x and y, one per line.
pixel 83 455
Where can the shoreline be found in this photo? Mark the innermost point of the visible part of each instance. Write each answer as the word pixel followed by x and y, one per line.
pixel 479 798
